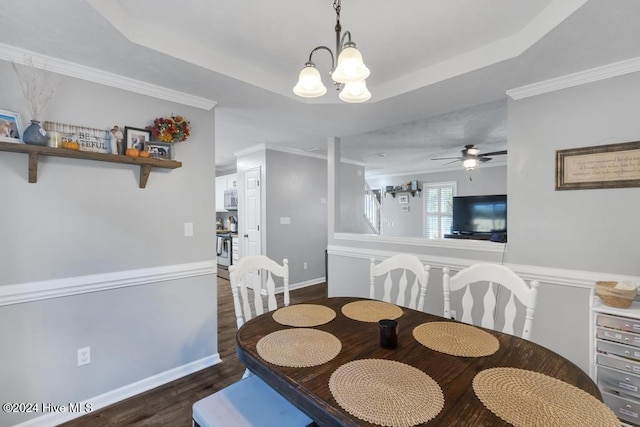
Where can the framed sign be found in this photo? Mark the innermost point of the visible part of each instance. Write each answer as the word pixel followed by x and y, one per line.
pixel 136 138
pixel 89 139
pixel 403 199
pixel 10 127
pixel 602 166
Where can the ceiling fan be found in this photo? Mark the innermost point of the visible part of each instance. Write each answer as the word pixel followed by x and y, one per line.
pixel 471 157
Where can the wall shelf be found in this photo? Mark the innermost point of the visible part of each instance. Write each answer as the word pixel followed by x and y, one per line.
pixel 146 164
pixel 394 192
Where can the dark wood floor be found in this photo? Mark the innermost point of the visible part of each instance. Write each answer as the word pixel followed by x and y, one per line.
pixel 170 404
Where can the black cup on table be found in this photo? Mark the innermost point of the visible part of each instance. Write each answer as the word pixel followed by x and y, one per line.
pixel 388 333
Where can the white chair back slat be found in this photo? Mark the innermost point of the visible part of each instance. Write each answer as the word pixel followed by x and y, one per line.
pixel 404 262
pixel 402 289
pixel 271 292
pixel 467 306
pixel 502 277
pixel 489 303
pixel 388 284
pixel 415 291
pixel 510 311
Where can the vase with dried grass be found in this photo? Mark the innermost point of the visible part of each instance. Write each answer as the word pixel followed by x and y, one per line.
pixel 38 87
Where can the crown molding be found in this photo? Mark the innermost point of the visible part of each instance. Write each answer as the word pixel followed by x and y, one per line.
pixel 67 68
pixel 576 79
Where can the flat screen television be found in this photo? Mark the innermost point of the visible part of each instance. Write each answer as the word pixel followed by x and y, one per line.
pixel 481 215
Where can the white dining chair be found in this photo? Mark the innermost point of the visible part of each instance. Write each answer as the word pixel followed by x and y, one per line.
pixel 394 270
pixel 250 401
pixel 497 278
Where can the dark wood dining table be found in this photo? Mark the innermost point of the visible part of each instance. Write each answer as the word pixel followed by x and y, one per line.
pixel 308 387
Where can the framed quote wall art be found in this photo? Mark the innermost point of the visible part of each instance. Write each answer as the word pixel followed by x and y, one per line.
pixel 602 166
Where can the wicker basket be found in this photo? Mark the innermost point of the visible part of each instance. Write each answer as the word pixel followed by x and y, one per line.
pixel 619 298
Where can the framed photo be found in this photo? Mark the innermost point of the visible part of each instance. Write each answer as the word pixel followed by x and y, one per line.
pixel 404 208
pixel 403 200
pixel 159 150
pixel 136 138
pixel 10 127
pixel 602 166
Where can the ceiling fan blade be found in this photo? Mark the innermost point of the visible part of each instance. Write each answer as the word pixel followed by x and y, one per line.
pixel 493 153
pixel 484 159
pixel 448 163
pixel 447 158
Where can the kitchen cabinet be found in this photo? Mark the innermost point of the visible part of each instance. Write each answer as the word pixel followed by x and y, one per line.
pixel 224 182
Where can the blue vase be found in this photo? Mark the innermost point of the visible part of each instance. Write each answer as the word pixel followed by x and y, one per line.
pixel 34 134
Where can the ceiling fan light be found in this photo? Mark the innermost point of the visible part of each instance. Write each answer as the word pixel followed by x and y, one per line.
pixel 469 164
pixel 473 151
pixel 309 82
pixel 355 92
pixel 350 66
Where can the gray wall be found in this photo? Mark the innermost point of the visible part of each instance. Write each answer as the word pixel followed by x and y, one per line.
pixel 593 230
pixel 352 184
pixel 86 218
pixel 296 187
pixel 484 180
pixel 565 239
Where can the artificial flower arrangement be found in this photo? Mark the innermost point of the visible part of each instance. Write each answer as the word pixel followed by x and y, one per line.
pixel 170 129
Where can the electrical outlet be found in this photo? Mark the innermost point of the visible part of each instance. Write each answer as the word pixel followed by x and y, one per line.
pixel 304 265
pixel 453 315
pixel 188 229
pixel 84 356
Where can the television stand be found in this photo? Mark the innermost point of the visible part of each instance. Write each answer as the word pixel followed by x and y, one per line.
pixel 469 236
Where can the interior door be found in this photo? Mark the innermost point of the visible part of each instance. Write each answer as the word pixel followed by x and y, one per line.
pixel 251 213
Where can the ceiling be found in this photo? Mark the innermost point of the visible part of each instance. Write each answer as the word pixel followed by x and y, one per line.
pixel 440 69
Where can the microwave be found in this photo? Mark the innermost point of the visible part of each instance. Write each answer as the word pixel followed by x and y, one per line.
pixel 231 200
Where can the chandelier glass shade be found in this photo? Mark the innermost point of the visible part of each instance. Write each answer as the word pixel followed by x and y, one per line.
pixel 355 92
pixel 309 82
pixel 348 73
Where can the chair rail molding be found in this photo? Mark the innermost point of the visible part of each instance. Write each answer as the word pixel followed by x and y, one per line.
pixel 68 286
pixel 554 276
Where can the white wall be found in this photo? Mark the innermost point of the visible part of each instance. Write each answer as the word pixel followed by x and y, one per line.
pixel 86 223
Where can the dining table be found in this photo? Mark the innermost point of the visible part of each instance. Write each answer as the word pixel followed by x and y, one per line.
pixel 325 357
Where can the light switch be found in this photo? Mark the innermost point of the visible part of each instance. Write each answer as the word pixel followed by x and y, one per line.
pixel 285 220
pixel 188 229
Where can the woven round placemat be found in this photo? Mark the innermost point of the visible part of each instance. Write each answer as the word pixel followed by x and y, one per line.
pixel 298 348
pixel 386 392
pixel 371 311
pixel 304 315
pixel 526 398
pixel 456 339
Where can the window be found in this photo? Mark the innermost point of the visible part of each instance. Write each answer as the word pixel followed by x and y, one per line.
pixel 438 210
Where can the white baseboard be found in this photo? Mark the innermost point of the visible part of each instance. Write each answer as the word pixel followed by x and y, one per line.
pixel 117 395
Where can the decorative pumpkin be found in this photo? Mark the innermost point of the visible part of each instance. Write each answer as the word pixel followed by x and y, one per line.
pixel 144 154
pixel 70 145
pixel 132 152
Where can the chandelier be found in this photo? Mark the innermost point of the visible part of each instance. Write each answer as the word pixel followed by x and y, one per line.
pixel 348 74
